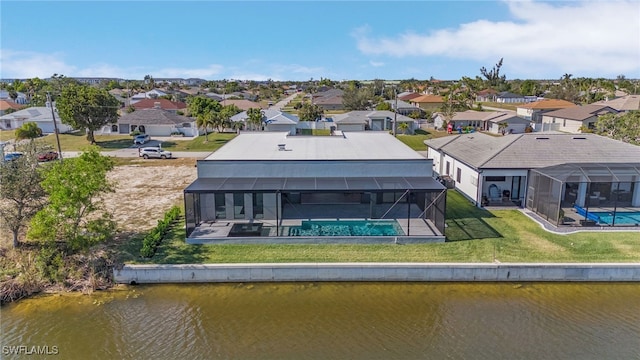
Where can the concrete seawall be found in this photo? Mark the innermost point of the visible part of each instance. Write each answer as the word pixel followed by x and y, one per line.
pixel 316 272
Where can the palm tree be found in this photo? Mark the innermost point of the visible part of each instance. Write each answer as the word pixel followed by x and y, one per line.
pixel 255 117
pixel 503 127
pixel 205 121
pixel 28 130
pixel 403 126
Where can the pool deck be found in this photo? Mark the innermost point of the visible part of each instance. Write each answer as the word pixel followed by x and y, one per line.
pixel 216 233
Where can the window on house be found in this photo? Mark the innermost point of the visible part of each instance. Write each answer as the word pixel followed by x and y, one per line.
pixel 458 175
pixel 448 168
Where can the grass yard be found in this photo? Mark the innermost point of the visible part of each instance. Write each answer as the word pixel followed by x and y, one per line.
pixel 215 141
pixel 416 141
pixel 474 235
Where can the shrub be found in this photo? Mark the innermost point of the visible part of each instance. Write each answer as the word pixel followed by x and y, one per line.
pixel 153 239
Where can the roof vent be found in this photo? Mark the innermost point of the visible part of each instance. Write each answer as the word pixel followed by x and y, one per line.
pixel 579 138
pixel 281 147
pixel 541 138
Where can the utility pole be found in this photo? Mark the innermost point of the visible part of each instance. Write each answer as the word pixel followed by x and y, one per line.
pixel 395 112
pixel 55 125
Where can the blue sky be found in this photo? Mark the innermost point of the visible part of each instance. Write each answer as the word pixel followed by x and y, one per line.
pixel 299 40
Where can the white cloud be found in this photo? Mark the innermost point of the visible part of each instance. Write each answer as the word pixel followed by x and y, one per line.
pixel 578 37
pixel 376 63
pixel 210 72
pixel 26 64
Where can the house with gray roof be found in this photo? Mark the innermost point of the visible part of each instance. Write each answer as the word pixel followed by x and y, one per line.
pixel 574 119
pixel 509 98
pixel 485 121
pixel 586 170
pixel 377 120
pixel 272 120
pixel 623 103
pixel 40 115
pixel 154 122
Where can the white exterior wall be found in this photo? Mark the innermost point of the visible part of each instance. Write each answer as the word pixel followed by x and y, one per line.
pixel 515 128
pixel 565 125
pixel 436 158
pixel 469 180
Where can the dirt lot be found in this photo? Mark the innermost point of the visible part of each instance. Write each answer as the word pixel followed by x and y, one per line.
pixel 145 191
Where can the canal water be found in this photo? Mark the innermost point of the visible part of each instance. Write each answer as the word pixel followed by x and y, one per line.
pixel 330 321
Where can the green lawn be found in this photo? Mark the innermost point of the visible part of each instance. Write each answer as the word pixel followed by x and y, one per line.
pixel 215 141
pixel 474 235
pixel 416 141
pixel 77 141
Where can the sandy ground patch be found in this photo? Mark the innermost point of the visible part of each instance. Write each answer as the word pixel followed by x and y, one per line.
pixel 144 193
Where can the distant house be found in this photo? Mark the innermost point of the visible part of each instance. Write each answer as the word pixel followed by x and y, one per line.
pixel 404 108
pixel 486 95
pixel 152 94
pixel 154 122
pixel 163 104
pixel 573 119
pixel 486 121
pixel 9 104
pixel 243 104
pixel 380 120
pixel 406 96
pixel 272 120
pixel 329 100
pixel 506 97
pixel 624 103
pixel 533 111
pixel 20 99
pixel 40 115
pixel 428 102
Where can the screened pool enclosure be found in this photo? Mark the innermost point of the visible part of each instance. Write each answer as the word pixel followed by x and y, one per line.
pixel 586 194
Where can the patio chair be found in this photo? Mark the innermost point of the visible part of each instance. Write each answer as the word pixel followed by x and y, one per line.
pixel 494 194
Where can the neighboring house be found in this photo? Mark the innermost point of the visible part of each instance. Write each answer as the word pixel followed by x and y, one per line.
pixel 40 115
pixel 404 108
pixel 272 120
pixel 406 96
pixel 533 111
pixel 428 102
pixel 583 170
pixel 485 121
pixel 623 104
pixel 9 104
pixel 329 100
pixel 20 99
pixel 486 95
pixel 506 97
pixel 163 104
pixel 153 122
pixel 352 121
pixel 243 104
pixel 152 94
pixel 574 119
pixel 262 186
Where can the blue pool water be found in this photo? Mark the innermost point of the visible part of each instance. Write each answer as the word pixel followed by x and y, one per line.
pixel 622 218
pixel 347 228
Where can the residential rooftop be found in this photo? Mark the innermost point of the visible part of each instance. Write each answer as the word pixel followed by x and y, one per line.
pixel 342 146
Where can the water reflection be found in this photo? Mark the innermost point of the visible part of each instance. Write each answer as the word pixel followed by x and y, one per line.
pixel 334 320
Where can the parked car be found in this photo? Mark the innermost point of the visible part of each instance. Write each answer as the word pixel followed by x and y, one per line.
pixel 48 156
pixel 154 152
pixel 141 139
pixel 12 156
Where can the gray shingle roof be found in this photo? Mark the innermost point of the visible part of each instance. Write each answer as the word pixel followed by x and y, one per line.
pixel 625 103
pixel 534 150
pixel 580 112
pixel 153 117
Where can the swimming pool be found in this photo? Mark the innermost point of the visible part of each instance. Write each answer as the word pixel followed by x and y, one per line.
pixel 621 218
pixel 347 228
